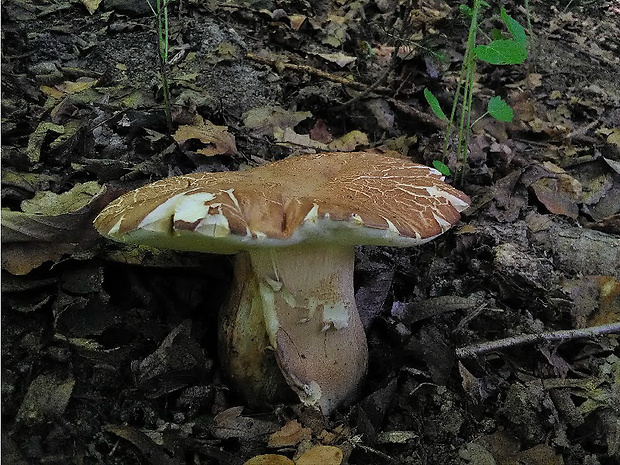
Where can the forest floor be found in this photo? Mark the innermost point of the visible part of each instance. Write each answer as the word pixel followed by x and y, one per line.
pixel 109 353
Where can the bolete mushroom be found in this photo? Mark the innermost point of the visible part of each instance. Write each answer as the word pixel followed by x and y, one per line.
pixel 293 225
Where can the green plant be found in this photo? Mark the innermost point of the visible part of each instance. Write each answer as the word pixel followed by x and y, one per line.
pixel 160 11
pixel 502 49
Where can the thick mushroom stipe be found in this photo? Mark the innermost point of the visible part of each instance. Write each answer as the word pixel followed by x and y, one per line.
pixel 296 223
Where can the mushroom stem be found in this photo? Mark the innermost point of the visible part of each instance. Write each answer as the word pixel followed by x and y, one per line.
pixel 298 301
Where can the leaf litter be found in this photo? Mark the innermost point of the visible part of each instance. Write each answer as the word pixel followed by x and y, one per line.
pixel 117 362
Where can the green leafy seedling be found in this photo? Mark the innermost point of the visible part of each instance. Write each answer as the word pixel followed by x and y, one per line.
pixel 505 51
pixel 505 48
pixel 516 30
pixel 502 52
pixel 441 167
pixel 500 110
pixel 434 104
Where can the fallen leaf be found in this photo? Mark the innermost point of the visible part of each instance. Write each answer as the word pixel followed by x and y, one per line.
pixel 231 424
pixel 52 92
pixel 335 30
pixel 155 453
pixel 428 13
pixel 296 21
pixel 596 300
pixel 30 239
pixel 556 200
pixel 382 111
pixel 340 59
pixel 288 137
pixel 269 459
pixel 540 454
pixel 91 5
pixel 47 396
pixel 36 139
pixel 324 455
pixel 52 204
pixel 534 79
pixel 614 137
pixel 177 361
pixel 292 433
pixel 265 120
pixel 349 142
pixel 217 139
pixel 75 87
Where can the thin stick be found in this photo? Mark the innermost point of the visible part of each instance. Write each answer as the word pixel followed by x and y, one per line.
pixel 313 71
pixel 524 339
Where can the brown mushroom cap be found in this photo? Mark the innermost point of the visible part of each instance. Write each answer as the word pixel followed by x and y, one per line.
pixel 343 198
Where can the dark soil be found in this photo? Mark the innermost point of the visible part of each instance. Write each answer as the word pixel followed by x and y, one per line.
pixel 109 353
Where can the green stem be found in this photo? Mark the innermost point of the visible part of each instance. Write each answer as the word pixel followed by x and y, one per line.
pixel 469 63
pixel 162 42
pixel 478 119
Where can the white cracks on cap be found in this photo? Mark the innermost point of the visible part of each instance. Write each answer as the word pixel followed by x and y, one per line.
pixel 193 207
pixel 391 227
pixel 457 203
pixel 237 207
pixel 313 215
pixel 356 219
pixel 164 211
pixel 232 196
pixel 214 225
pixel 117 226
pixel 443 224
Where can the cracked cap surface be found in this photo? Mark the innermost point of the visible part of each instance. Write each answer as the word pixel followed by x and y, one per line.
pixel 342 197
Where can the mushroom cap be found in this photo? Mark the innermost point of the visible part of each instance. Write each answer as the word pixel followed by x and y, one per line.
pixel 343 198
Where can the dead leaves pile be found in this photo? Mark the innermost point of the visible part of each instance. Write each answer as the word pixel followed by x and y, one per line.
pixel 327 455
pixel 547 207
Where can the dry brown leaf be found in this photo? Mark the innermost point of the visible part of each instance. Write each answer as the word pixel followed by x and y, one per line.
pixel 323 455
pixel 289 435
pixel 47 397
pixel 349 142
pixel 614 137
pixel 559 193
pixel 70 87
pixel 540 454
pixel 217 139
pixel 30 239
pixel 340 59
pixel 296 21
pixel 267 119
pixel 428 13
pixel 146 445
pixel 534 79
pixel 231 424
pixel 288 137
pixel 269 459
pixel 596 300
pixel 91 5
pixel 52 92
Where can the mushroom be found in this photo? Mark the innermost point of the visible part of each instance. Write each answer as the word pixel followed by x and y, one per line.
pixel 293 224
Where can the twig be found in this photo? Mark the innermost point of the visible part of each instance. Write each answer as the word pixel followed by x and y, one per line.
pixel 548 336
pixel 369 90
pixel 418 115
pixel 313 71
